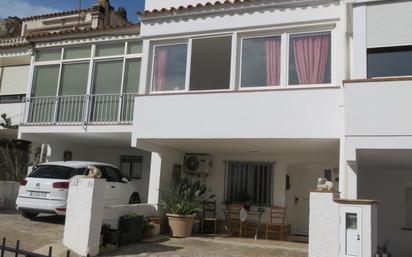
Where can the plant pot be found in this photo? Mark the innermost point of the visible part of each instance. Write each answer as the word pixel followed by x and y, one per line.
pixel 147 233
pixel 131 224
pixel 180 225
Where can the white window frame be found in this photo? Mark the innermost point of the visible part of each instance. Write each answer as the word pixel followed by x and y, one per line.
pixel 189 43
pixel 91 60
pixel 236 53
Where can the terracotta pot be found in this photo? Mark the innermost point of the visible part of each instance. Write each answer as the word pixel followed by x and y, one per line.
pixel 180 225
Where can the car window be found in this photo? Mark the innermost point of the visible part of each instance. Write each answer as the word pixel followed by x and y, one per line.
pixel 112 174
pixel 52 172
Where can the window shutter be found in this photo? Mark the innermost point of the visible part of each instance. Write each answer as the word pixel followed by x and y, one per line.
pixel 14 80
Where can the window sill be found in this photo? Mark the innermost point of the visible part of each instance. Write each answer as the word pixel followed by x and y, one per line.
pixel 243 90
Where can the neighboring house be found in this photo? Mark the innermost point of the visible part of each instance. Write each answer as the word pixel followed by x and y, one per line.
pixel 80 95
pixel 378 125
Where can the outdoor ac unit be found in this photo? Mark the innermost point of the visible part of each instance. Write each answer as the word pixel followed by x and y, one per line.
pixel 197 163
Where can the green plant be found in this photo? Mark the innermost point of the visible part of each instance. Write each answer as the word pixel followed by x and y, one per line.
pixel 147 225
pixel 133 215
pixel 184 197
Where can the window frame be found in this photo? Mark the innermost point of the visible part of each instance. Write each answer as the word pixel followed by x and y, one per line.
pixel 250 163
pixel 189 43
pixel 91 60
pixel 236 54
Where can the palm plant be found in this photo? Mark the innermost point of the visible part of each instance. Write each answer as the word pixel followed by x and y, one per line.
pixel 184 197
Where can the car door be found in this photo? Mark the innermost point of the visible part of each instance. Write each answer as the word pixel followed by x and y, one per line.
pixel 117 187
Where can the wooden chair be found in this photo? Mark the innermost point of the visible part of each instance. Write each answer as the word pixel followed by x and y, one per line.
pixel 209 215
pixel 277 224
pixel 235 225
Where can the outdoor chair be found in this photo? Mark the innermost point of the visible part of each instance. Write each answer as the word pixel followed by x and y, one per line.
pixel 235 225
pixel 209 215
pixel 277 225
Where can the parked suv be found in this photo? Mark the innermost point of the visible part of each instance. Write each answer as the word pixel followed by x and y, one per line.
pixel 45 189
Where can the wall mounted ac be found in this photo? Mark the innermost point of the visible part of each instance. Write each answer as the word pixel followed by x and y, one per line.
pixel 197 163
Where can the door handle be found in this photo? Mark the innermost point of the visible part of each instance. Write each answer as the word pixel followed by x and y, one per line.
pixel 113 186
pixel 358 237
pixel 296 200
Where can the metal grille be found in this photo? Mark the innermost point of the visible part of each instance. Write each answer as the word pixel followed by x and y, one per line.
pixel 132 166
pixel 78 109
pixel 249 182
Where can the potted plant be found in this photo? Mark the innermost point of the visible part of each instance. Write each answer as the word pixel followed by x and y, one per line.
pixel 181 200
pixel 147 229
pixel 131 227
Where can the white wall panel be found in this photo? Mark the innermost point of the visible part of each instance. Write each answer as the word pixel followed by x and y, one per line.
pixel 14 80
pixel 389 24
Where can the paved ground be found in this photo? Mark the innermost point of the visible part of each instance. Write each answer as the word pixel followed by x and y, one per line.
pixel 213 247
pixel 40 233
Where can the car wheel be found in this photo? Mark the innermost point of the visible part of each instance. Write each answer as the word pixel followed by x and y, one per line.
pixel 29 215
pixel 134 199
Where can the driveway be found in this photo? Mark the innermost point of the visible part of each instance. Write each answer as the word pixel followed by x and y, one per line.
pixel 39 234
pixel 35 235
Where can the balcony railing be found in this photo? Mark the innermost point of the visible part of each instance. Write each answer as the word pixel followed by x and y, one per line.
pixel 80 109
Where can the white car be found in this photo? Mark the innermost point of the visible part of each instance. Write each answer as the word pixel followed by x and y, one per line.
pixel 46 188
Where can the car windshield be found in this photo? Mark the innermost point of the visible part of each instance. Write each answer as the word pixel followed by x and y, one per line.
pixel 52 172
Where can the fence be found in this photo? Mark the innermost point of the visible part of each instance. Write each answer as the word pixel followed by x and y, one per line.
pixel 17 251
pixel 80 109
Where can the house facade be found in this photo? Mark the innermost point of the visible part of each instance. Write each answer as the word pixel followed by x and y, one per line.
pixel 254 85
pixel 271 94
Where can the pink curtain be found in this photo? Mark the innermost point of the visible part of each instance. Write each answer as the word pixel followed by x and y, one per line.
pixel 160 70
pixel 311 56
pixel 273 61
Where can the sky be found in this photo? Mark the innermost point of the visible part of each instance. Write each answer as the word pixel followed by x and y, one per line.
pixel 25 8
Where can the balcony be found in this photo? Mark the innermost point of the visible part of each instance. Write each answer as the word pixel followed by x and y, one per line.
pixel 102 109
pixel 378 107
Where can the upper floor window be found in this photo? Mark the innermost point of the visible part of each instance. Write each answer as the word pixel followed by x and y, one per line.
pixel 390 61
pixel 169 71
pixel 310 59
pixel 261 61
pixel 267 60
pixel 210 62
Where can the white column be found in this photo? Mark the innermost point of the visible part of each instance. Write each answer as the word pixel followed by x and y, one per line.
pixel 342 168
pixel 84 215
pixel 351 180
pixel 359 52
pixel 154 181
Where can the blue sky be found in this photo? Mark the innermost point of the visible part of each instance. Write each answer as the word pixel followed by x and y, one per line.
pixel 24 8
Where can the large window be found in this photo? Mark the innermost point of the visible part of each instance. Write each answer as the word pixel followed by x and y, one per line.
pixel 169 72
pixel 261 60
pixel 108 72
pixel 210 63
pixel 390 61
pixel 309 59
pixel 132 166
pixel 249 182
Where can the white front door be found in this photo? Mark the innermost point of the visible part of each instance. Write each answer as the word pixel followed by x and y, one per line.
pixel 351 231
pixel 306 181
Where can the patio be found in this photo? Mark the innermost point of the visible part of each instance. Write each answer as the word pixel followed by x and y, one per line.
pixel 211 247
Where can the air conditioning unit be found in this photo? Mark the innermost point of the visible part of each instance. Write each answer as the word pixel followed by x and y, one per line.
pixel 198 163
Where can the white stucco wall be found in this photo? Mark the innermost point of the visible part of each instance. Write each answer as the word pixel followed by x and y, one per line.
pixel 327 225
pixel 311 113
pixel 386 185
pixel 371 108
pixel 14 111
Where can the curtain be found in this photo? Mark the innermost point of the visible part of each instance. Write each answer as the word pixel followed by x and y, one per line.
pixel 311 56
pixel 273 61
pixel 160 70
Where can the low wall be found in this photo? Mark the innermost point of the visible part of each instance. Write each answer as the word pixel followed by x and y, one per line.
pixel 111 214
pixel 327 228
pixel 8 194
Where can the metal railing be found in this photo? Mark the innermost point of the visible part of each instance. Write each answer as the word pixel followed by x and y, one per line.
pixel 80 109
